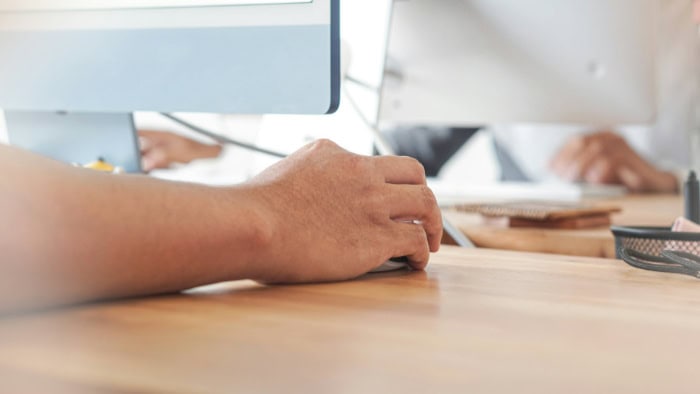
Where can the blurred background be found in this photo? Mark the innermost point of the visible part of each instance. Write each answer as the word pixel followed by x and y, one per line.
pixel 487 92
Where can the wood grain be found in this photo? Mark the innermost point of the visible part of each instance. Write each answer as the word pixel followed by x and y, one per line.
pixel 637 211
pixel 475 321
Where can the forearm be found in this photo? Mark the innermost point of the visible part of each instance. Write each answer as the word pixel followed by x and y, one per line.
pixel 323 214
pixel 93 236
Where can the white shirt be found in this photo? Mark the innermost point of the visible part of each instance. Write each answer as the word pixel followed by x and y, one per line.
pixel 667 143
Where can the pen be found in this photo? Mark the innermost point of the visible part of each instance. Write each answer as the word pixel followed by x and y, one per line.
pixel 692 198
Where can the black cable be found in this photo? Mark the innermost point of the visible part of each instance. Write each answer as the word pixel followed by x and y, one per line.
pixel 380 140
pixel 220 138
pixel 362 83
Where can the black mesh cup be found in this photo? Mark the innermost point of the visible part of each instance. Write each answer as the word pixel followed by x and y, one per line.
pixel 658 249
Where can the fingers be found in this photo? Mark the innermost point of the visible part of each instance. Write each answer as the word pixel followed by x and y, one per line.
pixel 410 240
pixel 417 203
pixel 563 159
pixel 149 139
pixel 647 179
pixel 631 179
pixel 152 156
pixel 401 170
pixel 595 158
pixel 151 133
pixel 583 161
pixel 606 158
pixel 154 159
pixel 602 171
pixel 145 144
pixel 409 198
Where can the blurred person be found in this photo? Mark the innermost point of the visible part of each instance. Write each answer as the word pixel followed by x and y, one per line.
pixel 648 159
pixel 645 159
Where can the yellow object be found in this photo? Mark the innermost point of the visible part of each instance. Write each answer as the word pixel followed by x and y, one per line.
pixel 103 166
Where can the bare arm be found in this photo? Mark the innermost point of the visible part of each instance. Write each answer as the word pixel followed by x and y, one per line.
pixel 70 235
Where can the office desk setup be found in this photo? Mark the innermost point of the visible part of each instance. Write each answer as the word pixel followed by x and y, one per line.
pixel 477 320
pixel 549 312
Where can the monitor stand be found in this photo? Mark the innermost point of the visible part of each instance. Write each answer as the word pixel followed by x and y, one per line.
pixel 78 138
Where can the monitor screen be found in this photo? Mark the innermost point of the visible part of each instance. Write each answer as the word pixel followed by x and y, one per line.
pixel 226 56
pixel 514 61
pixel 44 5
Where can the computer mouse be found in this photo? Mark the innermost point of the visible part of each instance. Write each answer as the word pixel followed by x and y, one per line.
pixel 392 265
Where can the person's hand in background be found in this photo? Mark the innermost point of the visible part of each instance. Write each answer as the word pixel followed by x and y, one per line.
pixel 606 158
pixel 162 149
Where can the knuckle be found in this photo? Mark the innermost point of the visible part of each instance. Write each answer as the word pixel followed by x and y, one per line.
pixel 323 144
pixel 604 163
pixel 436 227
pixel 596 146
pixel 358 165
pixel 611 135
pixel 416 166
pixel 429 199
pixel 613 138
pixel 620 141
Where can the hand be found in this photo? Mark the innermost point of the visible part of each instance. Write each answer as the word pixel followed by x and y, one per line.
pixel 334 215
pixel 161 149
pixel 606 158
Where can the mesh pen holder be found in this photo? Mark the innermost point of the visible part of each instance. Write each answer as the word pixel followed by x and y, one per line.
pixel 659 249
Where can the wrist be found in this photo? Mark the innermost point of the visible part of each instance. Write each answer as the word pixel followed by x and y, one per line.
pixel 250 230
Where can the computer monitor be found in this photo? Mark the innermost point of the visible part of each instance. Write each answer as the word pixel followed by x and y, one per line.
pixel 477 62
pixel 73 71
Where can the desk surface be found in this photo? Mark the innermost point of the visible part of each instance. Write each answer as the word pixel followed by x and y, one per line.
pixel 637 211
pixel 476 321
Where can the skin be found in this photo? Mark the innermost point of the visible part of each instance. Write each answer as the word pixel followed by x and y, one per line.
pixel 161 150
pixel 606 158
pixel 72 235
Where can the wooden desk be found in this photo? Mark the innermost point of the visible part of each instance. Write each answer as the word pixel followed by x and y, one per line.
pixel 477 321
pixel 637 211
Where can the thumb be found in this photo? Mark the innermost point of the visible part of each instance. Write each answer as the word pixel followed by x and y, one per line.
pixel 154 159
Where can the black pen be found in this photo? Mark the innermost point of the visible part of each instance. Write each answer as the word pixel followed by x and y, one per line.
pixel 692 198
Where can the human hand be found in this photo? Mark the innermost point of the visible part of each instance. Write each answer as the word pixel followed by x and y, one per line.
pixel 334 215
pixel 606 158
pixel 162 149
